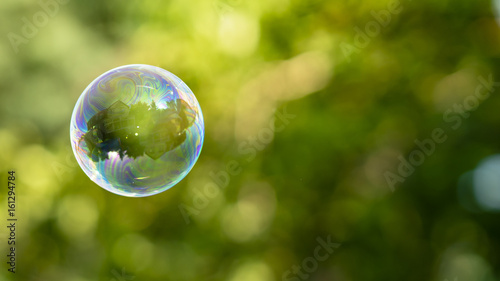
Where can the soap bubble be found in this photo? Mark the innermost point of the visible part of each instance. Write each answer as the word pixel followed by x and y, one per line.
pixel 137 130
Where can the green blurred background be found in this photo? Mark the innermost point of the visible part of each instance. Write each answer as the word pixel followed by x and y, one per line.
pixel 323 175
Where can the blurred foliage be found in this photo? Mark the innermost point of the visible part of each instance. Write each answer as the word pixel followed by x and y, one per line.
pixel 322 175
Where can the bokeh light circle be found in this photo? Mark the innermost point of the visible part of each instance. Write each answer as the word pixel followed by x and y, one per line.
pixel 487 183
pixel 137 130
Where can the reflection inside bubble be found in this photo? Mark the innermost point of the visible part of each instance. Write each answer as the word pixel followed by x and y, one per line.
pixel 137 130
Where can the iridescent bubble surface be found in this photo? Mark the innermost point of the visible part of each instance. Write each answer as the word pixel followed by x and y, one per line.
pixel 137 130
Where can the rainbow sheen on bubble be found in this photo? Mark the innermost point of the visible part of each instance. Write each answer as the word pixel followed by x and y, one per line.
pixel 137 130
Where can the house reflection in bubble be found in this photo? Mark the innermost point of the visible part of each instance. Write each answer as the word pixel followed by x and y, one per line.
pixel 138 130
